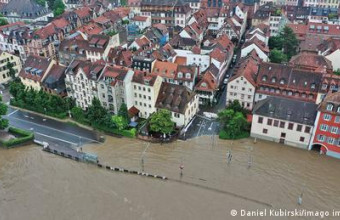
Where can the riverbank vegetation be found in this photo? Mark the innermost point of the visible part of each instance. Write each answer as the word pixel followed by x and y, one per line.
pixel 40 102
pixel 99 118
pixel 12 136
pixel 234 122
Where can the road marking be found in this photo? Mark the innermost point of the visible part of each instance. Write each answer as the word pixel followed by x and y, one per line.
pixel 12 113
pixel 44 126
pixel 56 138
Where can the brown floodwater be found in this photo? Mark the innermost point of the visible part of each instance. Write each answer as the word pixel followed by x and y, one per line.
pixel 38 185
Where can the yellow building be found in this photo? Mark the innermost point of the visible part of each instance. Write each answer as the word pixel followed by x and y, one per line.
pixel 6 57
pixel 35 70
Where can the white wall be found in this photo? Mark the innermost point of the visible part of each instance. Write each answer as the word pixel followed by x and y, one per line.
pixel 274 133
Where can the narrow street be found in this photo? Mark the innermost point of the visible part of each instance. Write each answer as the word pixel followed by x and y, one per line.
pixel 50 130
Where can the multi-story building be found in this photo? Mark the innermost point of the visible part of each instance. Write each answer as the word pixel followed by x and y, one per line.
pixel 322 3
pixel 242 85
pixel 25 10
pixel 142 63
pixel 35 70
pixel 284 121
pixel 115 88
pixel 6 58
pixel 326 133
pixel 81 81
pixel 180 101
pixel 13 38
pixel 42 42
pixel 287 81
pixel 145 92
pixel 170 13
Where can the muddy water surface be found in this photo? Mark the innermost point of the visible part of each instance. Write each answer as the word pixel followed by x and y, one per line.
pixel 38 185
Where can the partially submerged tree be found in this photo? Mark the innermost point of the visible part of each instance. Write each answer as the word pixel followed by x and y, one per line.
pixel 161 121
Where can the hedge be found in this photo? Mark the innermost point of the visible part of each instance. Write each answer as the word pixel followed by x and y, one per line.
pixel 26 136
pixel 127 133
pixel 223 135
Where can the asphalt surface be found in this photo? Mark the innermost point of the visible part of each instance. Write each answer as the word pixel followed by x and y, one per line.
pixel 202 126
pixel 52 131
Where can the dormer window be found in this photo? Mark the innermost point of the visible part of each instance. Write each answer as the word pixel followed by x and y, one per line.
pixel 264 78
pixel 312 86
pixel 324 86
pixel 282 81
pixel 329 107
pixel 273 80
pixel 338 110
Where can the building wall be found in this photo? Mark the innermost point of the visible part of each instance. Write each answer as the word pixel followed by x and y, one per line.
pixel 82 89
pixel 36 85
pixel 326 133
pixel 293 137
pixel 200 60
pixel 242 90
pixel 335 58
pixel 145 97
pixel 13 47
pixel 322 3
pixel 4 72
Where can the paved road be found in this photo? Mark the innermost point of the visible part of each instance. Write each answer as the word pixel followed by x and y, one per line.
pixel 202 126
pixel 52 131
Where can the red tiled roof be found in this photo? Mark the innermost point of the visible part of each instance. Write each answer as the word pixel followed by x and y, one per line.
pixel 101 20
pixel 60 22
pixel 165 69
pixel 218 55
pixel 46 31
pixel 139 18
pixel 83 12
pixel 248 69
pixel 181 60
pixel 311 61
pixel 207 83
pixel 90 29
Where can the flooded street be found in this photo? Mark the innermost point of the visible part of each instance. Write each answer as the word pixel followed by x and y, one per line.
pixel 38 185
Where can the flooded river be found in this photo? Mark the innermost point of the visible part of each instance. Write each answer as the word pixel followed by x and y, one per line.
pixel 261 176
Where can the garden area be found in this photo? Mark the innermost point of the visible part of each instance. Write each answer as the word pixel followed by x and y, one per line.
pixel 159 127
pixel 233 121
pixel 12 136
pixel 99 118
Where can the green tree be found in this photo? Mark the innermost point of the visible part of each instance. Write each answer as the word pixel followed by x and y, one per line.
pixel 3 21
pixel 234 123
pixel 237 107
pixel 11 72
pixel 123 111
pixel 286 42
pixel 41 2
pixel 96 113
pixel 120 122
pixel 290 42
pixel 277 56
pixel 58 7
pixel 3 111
pixel 78 114
pixel 275 42
pixel 161 121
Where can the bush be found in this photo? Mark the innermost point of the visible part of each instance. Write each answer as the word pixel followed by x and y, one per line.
pixel 224 135
pixel 126 133
pixel 25 136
